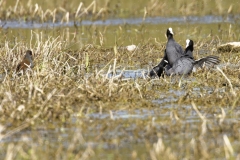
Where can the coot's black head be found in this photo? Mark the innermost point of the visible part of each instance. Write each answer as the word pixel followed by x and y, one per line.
pixel 189 44
pixel 169 33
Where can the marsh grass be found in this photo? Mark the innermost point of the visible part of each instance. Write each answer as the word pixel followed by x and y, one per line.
pixel 67 85
pixel 62 11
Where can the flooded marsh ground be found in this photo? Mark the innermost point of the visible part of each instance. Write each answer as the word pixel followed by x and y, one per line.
pixel 88 97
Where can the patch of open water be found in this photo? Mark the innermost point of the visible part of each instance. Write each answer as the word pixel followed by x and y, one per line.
pixel 129 74
pixel 132 21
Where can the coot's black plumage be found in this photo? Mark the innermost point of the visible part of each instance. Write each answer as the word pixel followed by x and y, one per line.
pixel 158 69
pixel 186 63
pixel 172 52
pixel 189 48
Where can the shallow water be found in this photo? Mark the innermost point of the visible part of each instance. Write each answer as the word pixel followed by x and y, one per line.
pixel 127 31
pixel 130 129
pixel 131 21
pixel 129 74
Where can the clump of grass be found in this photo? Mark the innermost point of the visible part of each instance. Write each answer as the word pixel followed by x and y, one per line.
pixel 60 11
pixel 61 76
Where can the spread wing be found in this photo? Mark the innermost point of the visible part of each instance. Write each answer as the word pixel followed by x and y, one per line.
pixel 208 61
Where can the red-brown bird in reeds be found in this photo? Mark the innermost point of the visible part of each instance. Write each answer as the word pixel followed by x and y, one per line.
pixel 26 64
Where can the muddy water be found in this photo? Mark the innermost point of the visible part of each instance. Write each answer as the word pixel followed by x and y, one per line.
pixel 121 133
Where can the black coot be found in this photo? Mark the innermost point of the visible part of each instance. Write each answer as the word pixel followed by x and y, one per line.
pixel 172 52
pixel 186 63
pixel 158 69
